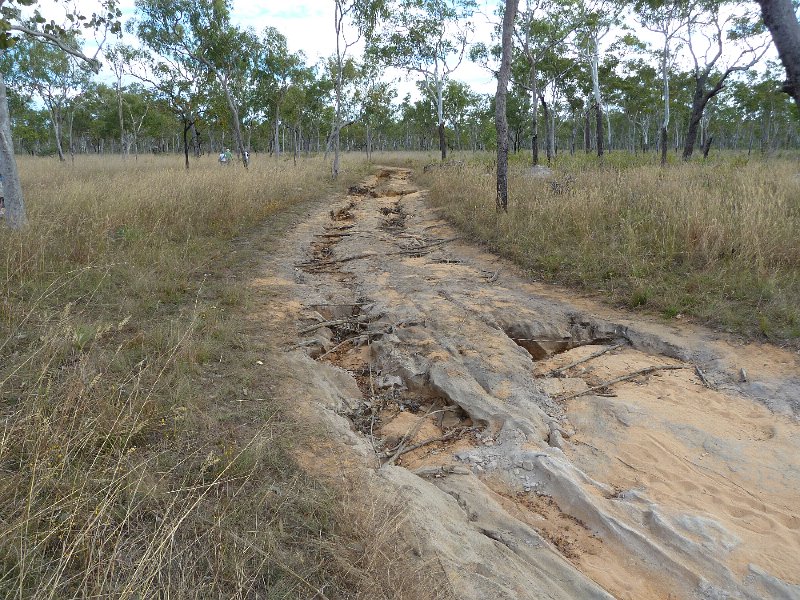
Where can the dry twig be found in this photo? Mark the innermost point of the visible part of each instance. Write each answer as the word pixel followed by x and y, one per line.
pixel 557 372
pixel 605 384
pixel 324 263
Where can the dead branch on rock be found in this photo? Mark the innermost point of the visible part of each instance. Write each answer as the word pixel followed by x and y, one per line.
pixel 335 323
pixel 365 336
pixel 337 234
pixel 560 370
pixel 398 450
pixel 325 263
pixel 702 377
pixel 454 433
pixel 605 384
pixel 424 248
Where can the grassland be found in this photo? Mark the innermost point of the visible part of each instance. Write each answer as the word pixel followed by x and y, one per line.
pixel 714 241
pixel 129 466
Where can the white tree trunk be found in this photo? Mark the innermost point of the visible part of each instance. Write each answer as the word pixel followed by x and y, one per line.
pixel 12 190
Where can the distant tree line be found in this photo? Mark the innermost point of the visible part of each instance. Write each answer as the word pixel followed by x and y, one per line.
pixel 591 76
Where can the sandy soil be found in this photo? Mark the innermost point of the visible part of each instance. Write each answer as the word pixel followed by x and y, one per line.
pixel 440 362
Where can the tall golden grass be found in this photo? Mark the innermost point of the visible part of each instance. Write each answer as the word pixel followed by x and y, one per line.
pixel 127 467
pixel 717 241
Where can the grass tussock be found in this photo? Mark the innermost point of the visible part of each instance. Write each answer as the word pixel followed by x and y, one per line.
pixel 140 453
pixel 716 241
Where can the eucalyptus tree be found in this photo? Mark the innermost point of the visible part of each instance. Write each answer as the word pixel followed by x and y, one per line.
pixel 353 21
pixel 544 27
pixel 374 98
pixel 636 92
pixel 51 74
pixel 13 29
pixel 276 71
pixel 722 39
pixel 138 102
pixel 200 32
pixel 427 37
pixel 597 18
pixel 667 19
pixel 178 83
pixel 781 20
pixel 500 120
pixel 458 100
pixel 116 58
pixel 316 112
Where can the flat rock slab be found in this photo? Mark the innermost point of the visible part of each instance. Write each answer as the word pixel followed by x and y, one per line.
pixel 448 361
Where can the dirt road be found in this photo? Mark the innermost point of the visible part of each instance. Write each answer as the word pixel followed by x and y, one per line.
pixel 543 446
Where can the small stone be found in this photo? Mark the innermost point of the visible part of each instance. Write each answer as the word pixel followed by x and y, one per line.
pixel 528 465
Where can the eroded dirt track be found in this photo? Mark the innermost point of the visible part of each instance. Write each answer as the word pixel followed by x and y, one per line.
pixel 527 471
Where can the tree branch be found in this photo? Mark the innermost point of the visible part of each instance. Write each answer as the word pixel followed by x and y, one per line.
pixel 91 61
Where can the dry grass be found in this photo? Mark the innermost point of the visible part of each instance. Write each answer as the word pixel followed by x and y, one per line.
pixel 140 453
pixel 716 241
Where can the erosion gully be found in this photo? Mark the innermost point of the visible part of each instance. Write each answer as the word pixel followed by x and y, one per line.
pixel 541 445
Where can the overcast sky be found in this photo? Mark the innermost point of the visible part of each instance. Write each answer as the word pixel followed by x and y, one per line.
pixel 308 27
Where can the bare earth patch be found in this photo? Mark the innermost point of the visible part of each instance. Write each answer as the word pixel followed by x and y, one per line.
pixel 509 421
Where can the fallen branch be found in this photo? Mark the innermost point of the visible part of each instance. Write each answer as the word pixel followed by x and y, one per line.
pixel 702 377
pixel 440 438
pixel 328 324
pixel 605 384
pixel 422 248
pixel 361 336
pixel 557 372
pixel 336 234
pixel 398 450
pixel 325 263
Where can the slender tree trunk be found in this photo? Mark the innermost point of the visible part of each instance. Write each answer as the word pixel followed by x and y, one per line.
pixel 574 134
pixel 186 127
pixel 369 143
pixel 587 133
pixel 440 115
pixel 237 128
pixel 548 134
pixel 598 115
pixel 707 146
pixel 121 119
pixel 534 116
pixel 71 143
pixel 500 120
pixel 337 126
pixel 665 123
pixel 12 190
pixel 195 138
pixel 55 116
pixel 598 106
